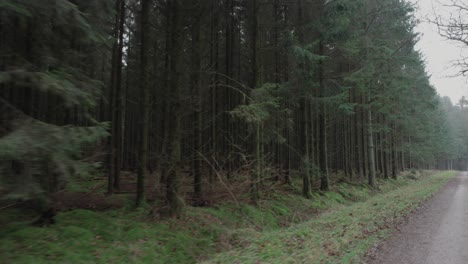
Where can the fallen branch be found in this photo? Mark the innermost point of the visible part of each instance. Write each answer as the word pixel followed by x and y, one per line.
pixel 8 206
pixel 221 180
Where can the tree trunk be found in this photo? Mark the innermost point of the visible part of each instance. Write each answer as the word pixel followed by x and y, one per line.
pixel 116 109
pixel 174 201
pixel 385 152
pixel 371 154
pixel 167 120
pixel 305 116
pixel 324 181
pixel 306 182
pixel 145 102
pixel 394 159
pixel 197 104
pixel 254 82
pixel 112 88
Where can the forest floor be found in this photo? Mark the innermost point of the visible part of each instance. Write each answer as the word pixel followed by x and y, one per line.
pixel 333 227
pixel 437 233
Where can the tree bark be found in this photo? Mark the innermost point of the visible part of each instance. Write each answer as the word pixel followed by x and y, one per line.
pixel 175 202
pixel 324 181
pixel 116 109
pixel 254 82
pixel 197 104
pixel 371 154
pixel 394 158
pixel 145 102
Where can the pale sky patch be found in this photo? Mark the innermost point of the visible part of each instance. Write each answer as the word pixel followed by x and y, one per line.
pixel 439 53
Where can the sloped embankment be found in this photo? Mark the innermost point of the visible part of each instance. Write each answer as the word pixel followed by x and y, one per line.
pixel 340 236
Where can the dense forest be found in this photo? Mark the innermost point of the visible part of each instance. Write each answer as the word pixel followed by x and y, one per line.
pixel 176 101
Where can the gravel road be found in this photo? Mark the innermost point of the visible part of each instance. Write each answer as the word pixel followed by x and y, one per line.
pixel 435 234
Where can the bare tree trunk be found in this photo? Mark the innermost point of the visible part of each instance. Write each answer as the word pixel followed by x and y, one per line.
pixel 175 202
pixel 167 120
pixel 306 182
pixel 305 116
pixel 146 104
pixel 394 158
pixel 371 154
pixel 257 175
pixel 117 104
pixel 197 104
pixel 112 88
pixel 385 152
pixel 324 181
pixel 214 61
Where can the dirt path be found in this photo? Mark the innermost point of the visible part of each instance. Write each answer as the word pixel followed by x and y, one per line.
pixel 435 234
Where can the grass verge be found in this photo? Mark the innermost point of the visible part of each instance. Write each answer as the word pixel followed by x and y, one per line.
pixel 285 229
pixel 339 236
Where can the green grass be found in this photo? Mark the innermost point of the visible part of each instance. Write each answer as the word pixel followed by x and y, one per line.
pixel 285 228
pixel 83 236
pixel 343 235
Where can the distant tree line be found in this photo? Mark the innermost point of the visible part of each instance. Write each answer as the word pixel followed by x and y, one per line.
pixel 209 90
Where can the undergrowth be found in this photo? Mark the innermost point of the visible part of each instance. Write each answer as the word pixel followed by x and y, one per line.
pixel 335 226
